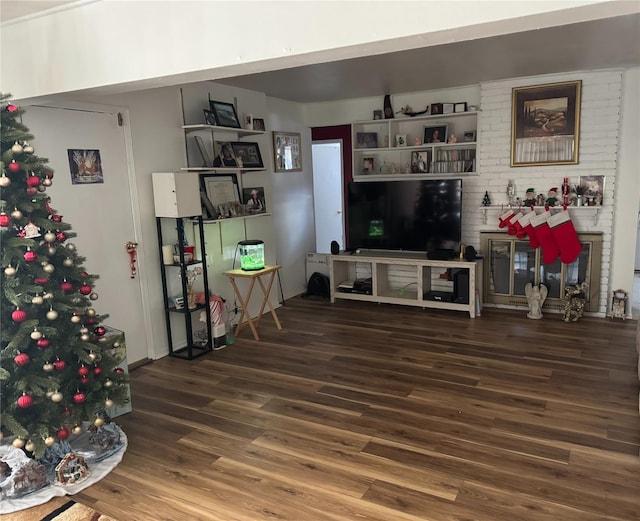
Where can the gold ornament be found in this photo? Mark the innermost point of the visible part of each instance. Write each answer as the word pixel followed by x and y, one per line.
pixel 56 397
pixel 49 441
pixel 85 337
pixel 108 403
pixel 35 334
pixel 98 421
pixel 93 356
pixel 37 300
pixel 47 368
pixel 17 148
pixel 47 296
pixel 76 430
pixel 90 312
pixel 30 446
pixel 49 268
pixel 93 296
pixel 10 271
pixel 52 314
pixel 16 214
pixel 68 262
pixel 108 383
pixel 75 319
pixel 50 237
pixel 18 443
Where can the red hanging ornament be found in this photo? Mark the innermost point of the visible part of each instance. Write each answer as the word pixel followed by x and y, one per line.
pixel 19 315
pixel 66 412
pixel 4 220
pixel 90 321
pixel 31 190
pixel 119 370
pixel 56 218
pixel 79 397
pixel 97 370
pixel 25 401
pixel 84 380
pixel 63 433
pixel 43 343
pixel 66 286
pixel 13 166
pixel 61 236
pixel 33 180
pixel 100 331
pixel 30 256
pixel 12 108
pixel 40 281
pixel 85 289
pixel 59 365
pixel 48 174
pixel 21 359
pixel 83 370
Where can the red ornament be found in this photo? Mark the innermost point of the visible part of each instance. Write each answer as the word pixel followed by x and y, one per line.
pixel 31 190
pixel 40 281
pixel 19 315
pixel 12 108
pixel 63 433
pixel 59 365
pixel 21 359
pixel 43 343
pixel 66 286
pixel 83 370
pixel 84 274
pixel 90 321
pixel 61 236
pixel 100 331
pixel 85 289
pixel 25 401
pixel 4 220
pixel 30 256
pixel 67 411
pixel 119 370
pixel 13 166
pixel 84 380
pixel 79 398
pixel 56 218
pixel 48 174
pixel 97 370
pixel 33 180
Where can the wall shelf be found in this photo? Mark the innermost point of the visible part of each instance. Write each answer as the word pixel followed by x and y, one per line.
pixel 593 210
pixel 240 132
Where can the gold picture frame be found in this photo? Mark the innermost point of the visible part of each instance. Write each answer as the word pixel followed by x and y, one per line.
pixel 545 124
pixel 287 152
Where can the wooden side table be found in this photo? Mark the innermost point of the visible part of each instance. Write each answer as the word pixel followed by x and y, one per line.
pixel 269 272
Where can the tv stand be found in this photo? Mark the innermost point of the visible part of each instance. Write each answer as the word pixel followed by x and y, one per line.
pixel 408 279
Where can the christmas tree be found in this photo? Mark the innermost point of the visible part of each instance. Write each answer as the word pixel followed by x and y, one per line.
pixel 58 367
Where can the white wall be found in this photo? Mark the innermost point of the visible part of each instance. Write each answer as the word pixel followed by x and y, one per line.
pixel 122 46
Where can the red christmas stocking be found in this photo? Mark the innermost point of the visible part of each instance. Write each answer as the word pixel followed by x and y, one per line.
pixel 534 242
pixel 505 218
pixel 566 236
pixel 513 224
pixel 550 248
pixel 523 223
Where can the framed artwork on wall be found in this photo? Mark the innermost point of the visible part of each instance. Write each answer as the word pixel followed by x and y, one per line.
pixel 287 154
pixel 545 124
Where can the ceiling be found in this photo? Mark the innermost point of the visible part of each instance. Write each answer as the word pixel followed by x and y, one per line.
pixel 595 44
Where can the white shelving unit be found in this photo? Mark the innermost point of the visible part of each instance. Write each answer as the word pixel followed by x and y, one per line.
pixel 404 279
pixel 379 140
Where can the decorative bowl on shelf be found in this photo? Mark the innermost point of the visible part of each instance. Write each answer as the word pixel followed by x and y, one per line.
pixel 188 257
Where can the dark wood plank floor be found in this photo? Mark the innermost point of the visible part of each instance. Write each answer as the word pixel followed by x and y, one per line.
pixel 360 411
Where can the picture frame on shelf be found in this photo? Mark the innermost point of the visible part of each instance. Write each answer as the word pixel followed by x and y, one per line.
pixel 545 124
pixel 253 200
pixel 204 154
pixel 258 124
pixel 436 108
pixel 420 161
pixel 401 140
pixel 460 107
pixel 208 210
pixel 592 188
pixel 221 189
pixel 224 157
pixel 447 108
pixel 377 114
pixel 287 152
pixel 435 134
pixel 469 135
pixel 366 140
pixel 210 118
pixel 247 154
pixel 368 165
pixel 225 114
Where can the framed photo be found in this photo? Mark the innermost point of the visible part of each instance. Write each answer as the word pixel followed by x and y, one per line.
pixel 247 155
pixel 545 124
pixel 401 140
pixel 436 108
pixel 253 199
pixel 210 118
pixel 202 149
pixel 368 165
pixel 225 114
pixel 287 153
pixel 469 135
pixel 223 194
pixel 460 107
pixel 420 161
pixel 447 108
pixel 85 166
pixel 377 114
pixel 258 124
pixel 224 155
pixel 436 134
pixel 366 140
pixel 593 188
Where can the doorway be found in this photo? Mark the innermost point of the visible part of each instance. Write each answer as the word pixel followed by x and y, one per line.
pixel 327 194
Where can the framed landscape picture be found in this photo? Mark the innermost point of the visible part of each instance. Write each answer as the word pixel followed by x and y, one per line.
pixel 545 124
pixel 225 114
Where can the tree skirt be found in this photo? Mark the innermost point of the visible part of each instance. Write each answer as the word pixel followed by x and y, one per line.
pixel 58 509
pixel 98 471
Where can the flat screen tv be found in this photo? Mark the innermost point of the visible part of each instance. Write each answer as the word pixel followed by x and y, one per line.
pixel 408 215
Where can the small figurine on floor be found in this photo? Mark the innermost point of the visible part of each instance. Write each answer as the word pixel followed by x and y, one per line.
pixel 619 304
pixel 575 297
pixel 536 295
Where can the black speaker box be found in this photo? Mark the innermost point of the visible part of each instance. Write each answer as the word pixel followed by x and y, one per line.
pixel 470 253
pixel 461 286
pixel 335 248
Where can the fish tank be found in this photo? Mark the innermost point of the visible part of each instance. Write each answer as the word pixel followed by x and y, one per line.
pixel 251 255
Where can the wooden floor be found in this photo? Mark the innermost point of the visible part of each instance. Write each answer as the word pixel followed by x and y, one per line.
pixel 359 411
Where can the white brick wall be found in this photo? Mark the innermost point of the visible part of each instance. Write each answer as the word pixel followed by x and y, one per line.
pixel 598 147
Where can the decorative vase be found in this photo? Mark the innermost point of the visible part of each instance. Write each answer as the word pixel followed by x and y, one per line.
pixel 191 299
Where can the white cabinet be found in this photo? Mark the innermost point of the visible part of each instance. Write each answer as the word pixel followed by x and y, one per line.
pixel 176 194
pixel 407 279
pixel 410 147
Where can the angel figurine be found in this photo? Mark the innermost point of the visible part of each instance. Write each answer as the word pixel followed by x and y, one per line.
pixel 536 295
